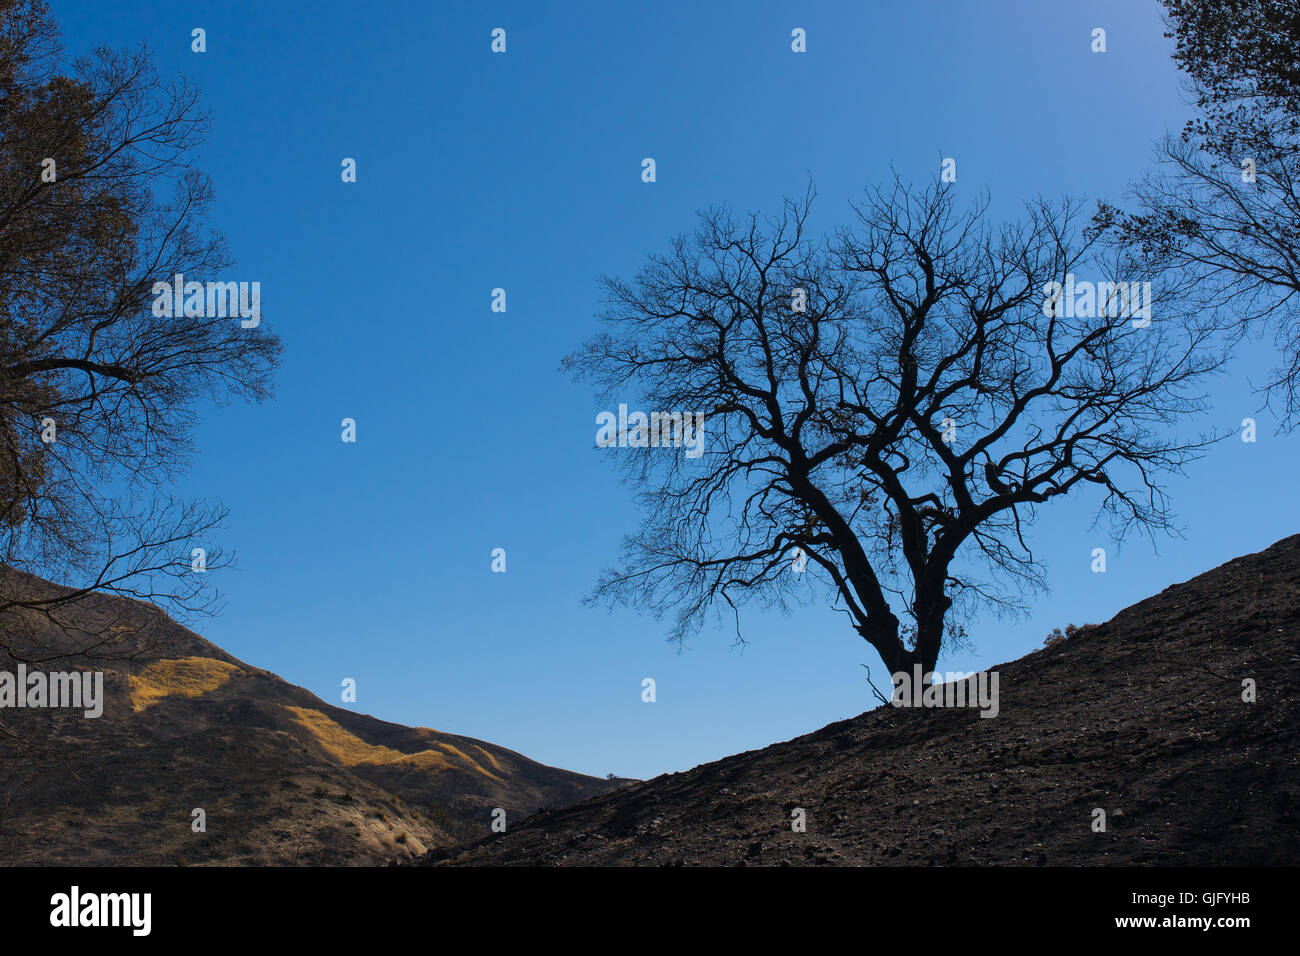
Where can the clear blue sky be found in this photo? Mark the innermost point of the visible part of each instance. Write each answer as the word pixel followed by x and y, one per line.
pixel 522 171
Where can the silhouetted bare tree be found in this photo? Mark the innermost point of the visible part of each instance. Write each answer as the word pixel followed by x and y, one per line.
pixel 894 402
pixel 97 393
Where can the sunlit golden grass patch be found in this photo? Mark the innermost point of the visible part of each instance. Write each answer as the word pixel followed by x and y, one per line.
pixel 496 763
pixel 351 750
pixel 178 677
pixel 474 764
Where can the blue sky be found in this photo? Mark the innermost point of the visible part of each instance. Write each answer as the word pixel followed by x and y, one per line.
pixel 522 171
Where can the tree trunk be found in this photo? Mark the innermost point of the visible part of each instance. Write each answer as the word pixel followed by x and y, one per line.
pixel 930 612
pixel 883 636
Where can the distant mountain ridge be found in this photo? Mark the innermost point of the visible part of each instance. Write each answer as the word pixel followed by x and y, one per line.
pixel 280 776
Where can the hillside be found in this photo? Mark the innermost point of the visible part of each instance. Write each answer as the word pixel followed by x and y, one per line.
pixel 1141 716
pixel 282 776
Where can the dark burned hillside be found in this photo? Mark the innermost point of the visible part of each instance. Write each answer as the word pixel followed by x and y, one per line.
pixel 282 776
pixel 1141 716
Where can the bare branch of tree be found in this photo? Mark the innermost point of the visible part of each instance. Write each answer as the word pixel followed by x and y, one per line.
pixel 98 202
pixel 895 402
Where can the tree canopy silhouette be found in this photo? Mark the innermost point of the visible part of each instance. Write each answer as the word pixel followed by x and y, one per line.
pixel 1223 202
pixel 891 404
pixel 98 201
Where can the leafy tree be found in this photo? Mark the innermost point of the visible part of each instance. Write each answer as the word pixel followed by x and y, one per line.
pixel 1223 202
pixel 98 201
